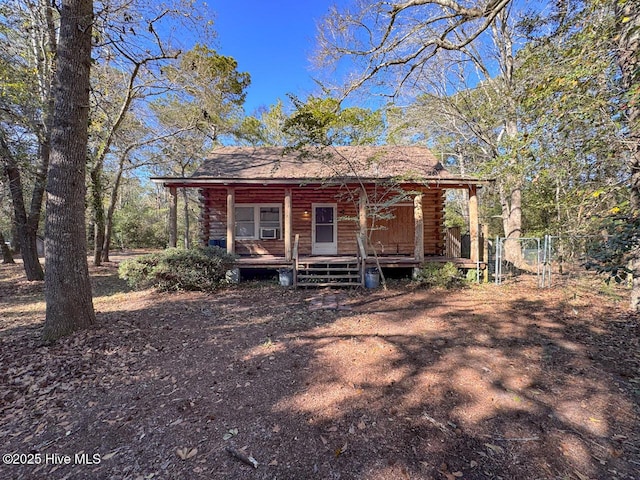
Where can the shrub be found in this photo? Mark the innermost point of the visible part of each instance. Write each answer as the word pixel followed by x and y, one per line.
pixel 445 275
pixel 472 275
pixel 177 269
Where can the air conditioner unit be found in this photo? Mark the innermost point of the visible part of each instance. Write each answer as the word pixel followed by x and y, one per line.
pixel 268 233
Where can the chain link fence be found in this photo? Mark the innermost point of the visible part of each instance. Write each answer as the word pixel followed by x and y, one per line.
pixel 546 257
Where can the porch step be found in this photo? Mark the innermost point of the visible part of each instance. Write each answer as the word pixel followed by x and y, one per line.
pixel 329 274
pixel 324 269
pixel 328 284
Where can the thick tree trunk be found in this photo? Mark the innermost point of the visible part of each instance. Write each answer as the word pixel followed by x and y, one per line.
pixel 67 285
pixel 628 52
pixel 6 252
pixel 512 223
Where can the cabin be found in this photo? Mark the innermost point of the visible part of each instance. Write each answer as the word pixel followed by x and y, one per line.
pixel 327 215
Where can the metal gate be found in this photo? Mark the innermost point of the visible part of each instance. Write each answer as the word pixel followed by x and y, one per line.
pixel 525 256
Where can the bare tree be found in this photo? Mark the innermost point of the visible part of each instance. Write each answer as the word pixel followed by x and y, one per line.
pixel 402 48
pixel 399 38
pixel 134 52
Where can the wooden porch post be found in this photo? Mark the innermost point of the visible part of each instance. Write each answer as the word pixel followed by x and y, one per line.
pixel 418 219
pixel 173 217
pixel 231 220
pixel 474 227
pixel 288 224
pixel 362 214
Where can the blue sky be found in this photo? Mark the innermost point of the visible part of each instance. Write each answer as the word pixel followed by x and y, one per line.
pixel 273 41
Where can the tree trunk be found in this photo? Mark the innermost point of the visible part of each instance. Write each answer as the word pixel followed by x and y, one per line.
pixel 14 235
pixel 67 285
pixel 628 52
pixel 98 214
pixel 26 225
pixel 6 252
pixel 512 224
pixel 108 229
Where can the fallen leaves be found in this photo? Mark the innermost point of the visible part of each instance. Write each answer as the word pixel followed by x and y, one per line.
pixel 341 450
pixel 161 388
pixel 185 453
pixel 494 449
pixel 230 434
pixel 109 455
pixel 444 470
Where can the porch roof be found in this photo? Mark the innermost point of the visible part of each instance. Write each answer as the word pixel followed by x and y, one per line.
pixel 273 165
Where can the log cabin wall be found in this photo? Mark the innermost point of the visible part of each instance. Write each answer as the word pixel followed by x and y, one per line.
pixel 214 218
pixel 395 235
pixel 433 207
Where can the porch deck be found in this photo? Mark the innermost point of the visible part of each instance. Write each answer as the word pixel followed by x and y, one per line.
pixel 390 261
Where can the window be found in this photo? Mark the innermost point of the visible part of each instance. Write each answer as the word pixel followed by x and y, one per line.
pixel 245 222
pixel 251 220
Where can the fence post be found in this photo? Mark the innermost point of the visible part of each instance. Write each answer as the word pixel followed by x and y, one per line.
pixel 497 272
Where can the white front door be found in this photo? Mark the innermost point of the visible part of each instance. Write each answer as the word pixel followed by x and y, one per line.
pixel 324 234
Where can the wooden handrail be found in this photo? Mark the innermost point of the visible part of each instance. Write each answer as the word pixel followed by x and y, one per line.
pixel 296 242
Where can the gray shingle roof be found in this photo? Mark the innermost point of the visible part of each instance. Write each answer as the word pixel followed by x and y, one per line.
pixel 364 162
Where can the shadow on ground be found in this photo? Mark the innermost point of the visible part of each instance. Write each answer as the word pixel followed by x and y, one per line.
pixel 504 382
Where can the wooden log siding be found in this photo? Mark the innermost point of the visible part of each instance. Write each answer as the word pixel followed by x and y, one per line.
pixel 216 206
pixel 302 199
pixel 399 235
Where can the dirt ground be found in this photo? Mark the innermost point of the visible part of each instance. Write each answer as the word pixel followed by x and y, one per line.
pixel 485 382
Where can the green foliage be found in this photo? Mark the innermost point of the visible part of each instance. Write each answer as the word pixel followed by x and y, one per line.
pixel 323 121
pixel 205 103
pixel 139 228
pixel 266 128
pixel 177 269
pixel 471 276
pixel 439 275
pixel 612 257
pixel 138 222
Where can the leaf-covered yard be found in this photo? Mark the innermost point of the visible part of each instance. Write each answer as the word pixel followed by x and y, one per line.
pixel 486 382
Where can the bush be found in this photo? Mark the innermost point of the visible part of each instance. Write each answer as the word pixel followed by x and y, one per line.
pixel 472 275
pixel 139 229
pixel 445 275
pixel 177 269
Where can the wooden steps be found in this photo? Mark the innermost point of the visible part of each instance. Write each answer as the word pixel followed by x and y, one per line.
pixel 336 273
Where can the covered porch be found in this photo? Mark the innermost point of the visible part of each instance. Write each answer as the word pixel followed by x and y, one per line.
pixel 416 228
